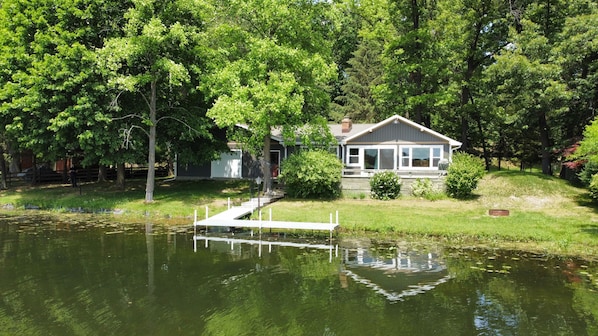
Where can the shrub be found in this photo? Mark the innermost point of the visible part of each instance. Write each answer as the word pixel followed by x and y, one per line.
pixel 463 175
pixel 586 175
pixel 425 188
pixel 593 187
pixel 385 185
pixel 312 174
pixel 421 187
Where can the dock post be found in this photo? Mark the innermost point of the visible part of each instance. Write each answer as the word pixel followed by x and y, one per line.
pixel 259 215
pixel 206 220
pixel 195 223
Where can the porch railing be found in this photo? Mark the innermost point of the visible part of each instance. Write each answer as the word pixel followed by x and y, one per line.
pixel 358 172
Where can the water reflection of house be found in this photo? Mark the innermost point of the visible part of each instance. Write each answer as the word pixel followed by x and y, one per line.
pixel 402 275
pixel 396 277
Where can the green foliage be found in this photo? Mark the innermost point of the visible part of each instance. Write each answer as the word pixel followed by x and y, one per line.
pixel 594 187
pixel 312 174
pixel 424 188
pixel 270 67
pixel 588 172
pixel 385 185
pixel 463 175
pixel 588 152
pixel 421 187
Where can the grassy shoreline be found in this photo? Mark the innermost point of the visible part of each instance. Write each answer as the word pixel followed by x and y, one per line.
pixel 547 215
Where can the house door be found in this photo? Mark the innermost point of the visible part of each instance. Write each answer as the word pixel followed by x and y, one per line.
pixel 275 163
pixel 229 165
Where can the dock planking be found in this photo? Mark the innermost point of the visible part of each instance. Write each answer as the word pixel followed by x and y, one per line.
pixel 230 218
pixel 266 224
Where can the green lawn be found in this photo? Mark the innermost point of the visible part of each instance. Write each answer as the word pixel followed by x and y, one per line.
pixel 546 214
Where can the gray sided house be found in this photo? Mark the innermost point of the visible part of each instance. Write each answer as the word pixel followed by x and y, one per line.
pixel 235 164
pixel 396 143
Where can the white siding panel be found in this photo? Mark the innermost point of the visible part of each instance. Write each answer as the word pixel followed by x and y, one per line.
pixel 229 165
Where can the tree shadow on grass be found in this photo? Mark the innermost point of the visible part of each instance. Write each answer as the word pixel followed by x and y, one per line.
pixel 519 173
pixel 590 228
pixel 584 200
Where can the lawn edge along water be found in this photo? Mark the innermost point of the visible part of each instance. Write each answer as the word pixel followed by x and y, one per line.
pixel 546 214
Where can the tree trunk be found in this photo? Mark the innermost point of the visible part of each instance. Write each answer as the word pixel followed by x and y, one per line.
pixel 120 175
pixel 266 166
pixel 34 171
pixel 3 170
pixel 545 141
pixel 151 157
pixel 14 166
pixel 102 173
pixel 478 118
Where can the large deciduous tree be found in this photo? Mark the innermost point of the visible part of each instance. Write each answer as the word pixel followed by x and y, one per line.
pixel 528 87
pixel 473 32
pixel 415 62
pixel 577 54
pixel 53 99
pixel 156 60
pixel 270 68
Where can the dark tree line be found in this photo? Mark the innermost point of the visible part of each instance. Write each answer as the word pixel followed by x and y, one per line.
pixel 137 81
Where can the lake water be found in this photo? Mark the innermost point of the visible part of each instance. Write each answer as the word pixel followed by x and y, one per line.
pixel 90 276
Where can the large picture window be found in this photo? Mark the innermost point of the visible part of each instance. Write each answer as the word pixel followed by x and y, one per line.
pixel 420 157
pixel 372 157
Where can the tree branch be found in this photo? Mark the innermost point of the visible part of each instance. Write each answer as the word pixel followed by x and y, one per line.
pixel 114 103
pixel 128 116
pixel 180 121
pixel 126 135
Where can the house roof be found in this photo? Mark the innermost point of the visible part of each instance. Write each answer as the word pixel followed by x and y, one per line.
pixel 358 130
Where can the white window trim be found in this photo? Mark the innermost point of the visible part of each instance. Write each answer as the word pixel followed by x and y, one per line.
pixel 359 156
pixel 410 147
pixel 361 163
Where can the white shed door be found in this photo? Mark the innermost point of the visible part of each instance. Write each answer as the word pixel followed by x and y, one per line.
pixel 229 165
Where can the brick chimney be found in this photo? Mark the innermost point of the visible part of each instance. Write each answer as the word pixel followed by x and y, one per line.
pixel 346 125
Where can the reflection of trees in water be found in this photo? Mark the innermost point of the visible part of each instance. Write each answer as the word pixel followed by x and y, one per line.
pixel 519 293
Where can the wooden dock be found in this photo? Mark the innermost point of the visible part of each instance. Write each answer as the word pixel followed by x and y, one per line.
pixel 230 218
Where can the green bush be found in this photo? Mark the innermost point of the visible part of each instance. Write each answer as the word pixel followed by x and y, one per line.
pixel 385 185
pixel 593 187
pixel 586 175
pixel 312 174
pixel 424 188
pixel 421 187
pixel 463 175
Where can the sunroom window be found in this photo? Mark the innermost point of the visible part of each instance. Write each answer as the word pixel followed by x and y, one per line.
pixel 420 157
pixel 353 156
pixel 372 157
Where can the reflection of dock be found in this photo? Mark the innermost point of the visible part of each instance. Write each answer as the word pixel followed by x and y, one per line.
pixel 260 243
pixel 230 218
